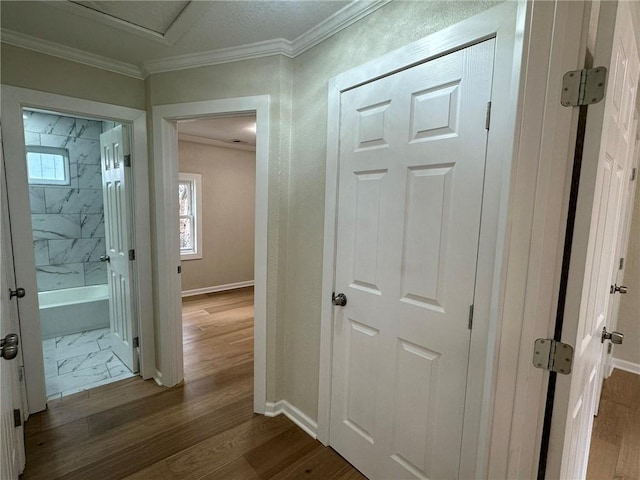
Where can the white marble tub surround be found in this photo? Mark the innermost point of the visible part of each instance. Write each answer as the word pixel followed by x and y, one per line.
pixel 63 312
pixel 68 220
pixel 81 361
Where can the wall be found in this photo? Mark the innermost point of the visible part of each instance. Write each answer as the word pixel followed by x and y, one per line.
pixel 228 214
pixel 37 71
pixel 262 76
pixel 391 27
pixel 68 221
pixel 629 314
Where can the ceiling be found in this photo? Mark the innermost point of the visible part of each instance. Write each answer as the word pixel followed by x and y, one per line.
pixel 141 37
pixel 230 132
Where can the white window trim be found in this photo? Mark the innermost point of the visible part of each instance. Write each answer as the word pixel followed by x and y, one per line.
pixel 196 182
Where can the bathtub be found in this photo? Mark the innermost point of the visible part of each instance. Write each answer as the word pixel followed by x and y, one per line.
pixel 73 310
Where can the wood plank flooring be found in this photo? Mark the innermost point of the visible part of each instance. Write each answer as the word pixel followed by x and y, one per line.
pixel 615 441
pixel 203 429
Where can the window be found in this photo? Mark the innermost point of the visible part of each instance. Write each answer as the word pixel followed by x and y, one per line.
pixel 190 215
pixel 48 165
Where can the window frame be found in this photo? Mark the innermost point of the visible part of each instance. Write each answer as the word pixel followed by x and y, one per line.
pixel 195 182
pixel 61 151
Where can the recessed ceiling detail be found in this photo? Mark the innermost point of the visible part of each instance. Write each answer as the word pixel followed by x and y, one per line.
pixel 152 15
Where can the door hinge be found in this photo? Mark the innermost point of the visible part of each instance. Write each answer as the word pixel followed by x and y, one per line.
pixel 136 342
pixel 132 255
pixel 552 355
pixel 634 172
pixel 583 87
pixel 17 418
pixel 621 264
pixel 487 122
pixel 127 160
pixel 470 316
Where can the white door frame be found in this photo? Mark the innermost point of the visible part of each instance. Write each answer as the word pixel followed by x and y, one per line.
pixel 520 250
pixel 14 99
pixel 165 161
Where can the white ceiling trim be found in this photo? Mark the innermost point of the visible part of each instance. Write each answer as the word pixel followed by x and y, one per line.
pixel 335 23
pixel 215 143
pixel 329 27
pixel 68 53
pixel 279 46
pixel 340 20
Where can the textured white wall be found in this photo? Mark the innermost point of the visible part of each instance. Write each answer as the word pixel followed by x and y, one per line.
pixel 391 27
pixel 228 214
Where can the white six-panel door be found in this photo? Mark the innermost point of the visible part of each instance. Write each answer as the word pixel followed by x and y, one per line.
pixel 412 160
pixel 116 185
pixel 12 455
pixel 614 164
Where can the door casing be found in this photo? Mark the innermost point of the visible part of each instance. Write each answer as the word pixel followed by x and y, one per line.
pixel 14 99
pixel 165 158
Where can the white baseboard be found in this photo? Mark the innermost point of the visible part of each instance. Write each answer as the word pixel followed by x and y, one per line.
pixel 294 414
pixel 626 366
pixel 217 288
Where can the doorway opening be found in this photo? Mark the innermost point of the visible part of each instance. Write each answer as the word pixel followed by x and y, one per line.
pixel 65 183
pixel 216 198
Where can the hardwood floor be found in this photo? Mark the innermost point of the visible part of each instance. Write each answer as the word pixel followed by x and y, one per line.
pixel 615 441
pixel 202 429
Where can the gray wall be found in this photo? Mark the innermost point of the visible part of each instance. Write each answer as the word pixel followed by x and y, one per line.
pixel 228 214
pixel 37 71
pixel 629 314
pixel 68 221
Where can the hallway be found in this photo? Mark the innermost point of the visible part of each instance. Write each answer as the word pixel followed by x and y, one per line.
pixel 202 429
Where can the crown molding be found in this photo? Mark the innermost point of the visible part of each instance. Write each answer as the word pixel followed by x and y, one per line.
pixel 278 46
pixel 340 20
pixel 68 53
pixel 215 143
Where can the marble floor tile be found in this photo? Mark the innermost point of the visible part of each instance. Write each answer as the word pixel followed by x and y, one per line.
pixel 75 339
pixel 80 361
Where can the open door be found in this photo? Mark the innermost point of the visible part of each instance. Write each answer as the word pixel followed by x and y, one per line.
pixel 606 169
pixel 12 457
pixel 116 187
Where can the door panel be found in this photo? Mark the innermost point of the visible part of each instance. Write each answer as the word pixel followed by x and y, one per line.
pixel 12 456
pixel 412 160
pixel 613 170
pixel 116 182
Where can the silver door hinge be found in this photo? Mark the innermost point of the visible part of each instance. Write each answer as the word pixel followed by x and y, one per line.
pixel 127 160
pixel 136 342
pixel 583 87
pixel 132 255
pixel 552 355
pixel 487 122
pixel 470 316
pixel 634 172
pixel 621 265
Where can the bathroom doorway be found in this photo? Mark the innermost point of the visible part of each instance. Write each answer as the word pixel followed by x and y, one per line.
pixel 65 182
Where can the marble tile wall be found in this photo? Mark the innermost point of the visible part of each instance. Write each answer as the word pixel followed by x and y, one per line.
pixel 68 221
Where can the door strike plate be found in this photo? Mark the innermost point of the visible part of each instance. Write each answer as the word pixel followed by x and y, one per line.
pixel 552 355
